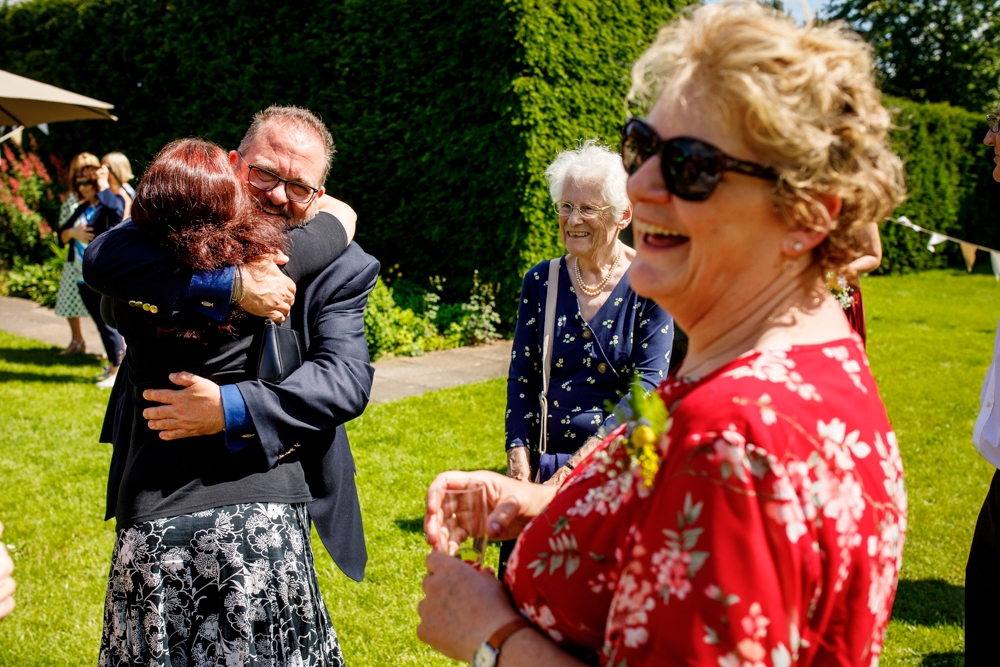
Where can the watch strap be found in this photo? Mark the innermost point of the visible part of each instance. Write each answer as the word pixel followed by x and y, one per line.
pixel 497 639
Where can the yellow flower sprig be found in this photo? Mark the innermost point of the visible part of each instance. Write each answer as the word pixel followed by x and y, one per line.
pixel 645 420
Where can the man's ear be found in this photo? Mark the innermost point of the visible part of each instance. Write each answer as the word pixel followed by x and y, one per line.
pixel 322 191
pixel 234 159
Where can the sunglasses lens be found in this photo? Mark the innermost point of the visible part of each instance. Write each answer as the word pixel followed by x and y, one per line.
pixel 638 143
pixel 690 169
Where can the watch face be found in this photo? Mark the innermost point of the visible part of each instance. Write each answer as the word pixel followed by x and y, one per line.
pixel 484 656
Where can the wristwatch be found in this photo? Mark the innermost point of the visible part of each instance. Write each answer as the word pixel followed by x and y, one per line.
pixel 489 651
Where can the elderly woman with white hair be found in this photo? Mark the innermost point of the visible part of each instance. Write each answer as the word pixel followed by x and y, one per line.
pixel 602 332
pixel 762 522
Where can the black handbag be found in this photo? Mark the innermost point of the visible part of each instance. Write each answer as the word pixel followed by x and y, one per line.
pixel 280 353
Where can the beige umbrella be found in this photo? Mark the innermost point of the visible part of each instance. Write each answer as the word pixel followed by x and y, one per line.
pixel 26 103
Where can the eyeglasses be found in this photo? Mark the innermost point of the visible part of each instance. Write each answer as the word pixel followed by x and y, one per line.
pixel 993 122
pixel 691 167
pixel 265 181
pixel 80 184
pixel 587 211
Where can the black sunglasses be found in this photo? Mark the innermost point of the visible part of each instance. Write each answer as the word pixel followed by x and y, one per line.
pixel 80 184
pixel 691 167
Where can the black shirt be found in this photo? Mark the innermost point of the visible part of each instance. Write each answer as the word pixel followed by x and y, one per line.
pixel 167 478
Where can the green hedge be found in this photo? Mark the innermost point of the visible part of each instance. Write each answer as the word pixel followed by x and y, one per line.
pixel 950 182
pixel 445 113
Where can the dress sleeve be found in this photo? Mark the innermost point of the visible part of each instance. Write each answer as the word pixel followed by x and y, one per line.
pixel 524 379
pixel 653 339
pixel 710 577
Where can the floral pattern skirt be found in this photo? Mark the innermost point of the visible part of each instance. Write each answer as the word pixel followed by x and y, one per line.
pixel 229 586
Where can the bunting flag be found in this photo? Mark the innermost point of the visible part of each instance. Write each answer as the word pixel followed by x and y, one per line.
pixel 968 254
pixel 968 249
pixel 936 239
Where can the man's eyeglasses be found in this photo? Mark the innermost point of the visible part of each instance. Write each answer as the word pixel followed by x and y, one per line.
pixel 265 181
pixel 993 122
pixel 691 167
pixel 587 211
pixel 82 183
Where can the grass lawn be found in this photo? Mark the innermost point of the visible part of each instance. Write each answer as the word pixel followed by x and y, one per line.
pixel 930 341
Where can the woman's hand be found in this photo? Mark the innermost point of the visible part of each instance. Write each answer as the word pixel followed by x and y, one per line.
pixel 511 504
pixel 102 174
pixel 6 581
pixel 518 465
pixel 81 234
pixel 462 606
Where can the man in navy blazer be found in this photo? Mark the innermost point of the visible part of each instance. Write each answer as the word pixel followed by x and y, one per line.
pixel 305 413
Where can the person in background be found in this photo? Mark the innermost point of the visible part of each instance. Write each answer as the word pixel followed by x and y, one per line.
pixel 604 333
pixel 848 279
pixel 982 579
pixel 119 175
pixel 762 521
pixel 7 584
pixel 69 304
pixel 100 209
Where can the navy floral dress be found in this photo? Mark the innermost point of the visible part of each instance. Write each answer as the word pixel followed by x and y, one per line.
pixel 592 362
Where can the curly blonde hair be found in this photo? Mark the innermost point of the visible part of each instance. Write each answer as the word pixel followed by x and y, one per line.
pixel 807 104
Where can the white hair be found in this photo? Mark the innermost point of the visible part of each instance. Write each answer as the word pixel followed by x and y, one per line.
pixel 591 163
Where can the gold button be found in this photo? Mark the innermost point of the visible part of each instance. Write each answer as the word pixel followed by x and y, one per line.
pixel 154 310
pixel 602 367
pixel 587 333
pixel 132 303
pixel 208 304
pixel 145 306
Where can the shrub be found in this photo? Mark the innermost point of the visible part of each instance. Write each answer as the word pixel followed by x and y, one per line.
pixel 24 190
pixel 445 113
pixel 950 183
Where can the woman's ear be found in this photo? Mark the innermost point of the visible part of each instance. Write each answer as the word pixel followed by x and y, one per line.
pixel 833 205
pixel 626 218
pixel 801 240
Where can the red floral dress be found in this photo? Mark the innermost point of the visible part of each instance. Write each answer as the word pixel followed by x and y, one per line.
pixel 772 533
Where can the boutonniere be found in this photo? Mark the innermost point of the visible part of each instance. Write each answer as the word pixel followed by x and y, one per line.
pixel 841 291
pixel 645 420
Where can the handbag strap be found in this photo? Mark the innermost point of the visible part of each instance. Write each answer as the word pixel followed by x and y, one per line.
pixel 551 296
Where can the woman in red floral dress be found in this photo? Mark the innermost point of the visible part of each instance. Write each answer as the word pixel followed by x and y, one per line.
pixel 766 525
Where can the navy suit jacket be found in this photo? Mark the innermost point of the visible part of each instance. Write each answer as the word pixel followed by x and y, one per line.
pixel 306 412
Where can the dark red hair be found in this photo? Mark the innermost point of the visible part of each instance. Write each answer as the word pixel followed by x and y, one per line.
pixel 191 201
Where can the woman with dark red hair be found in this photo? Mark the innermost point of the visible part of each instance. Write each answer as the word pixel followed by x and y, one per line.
pixel 212 561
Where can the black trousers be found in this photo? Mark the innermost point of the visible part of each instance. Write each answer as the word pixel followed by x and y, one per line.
pixel 982 584
pixel 114 344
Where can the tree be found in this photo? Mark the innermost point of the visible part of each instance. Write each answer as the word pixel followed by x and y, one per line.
pixel 932 50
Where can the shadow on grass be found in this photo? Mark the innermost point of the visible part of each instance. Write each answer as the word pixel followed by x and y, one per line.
pixel 929 602
pixel 411 525
pixel 44 357
pixel 943 660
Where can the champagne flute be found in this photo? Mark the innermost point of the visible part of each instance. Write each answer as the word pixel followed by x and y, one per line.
pixel 464 523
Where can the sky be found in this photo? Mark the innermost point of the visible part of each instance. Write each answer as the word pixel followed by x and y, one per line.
pixel 794 7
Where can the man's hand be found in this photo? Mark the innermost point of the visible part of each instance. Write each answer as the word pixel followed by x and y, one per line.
pixel 7 585
pixel 557 479
pixel 267 292
pixel 517 464
pixel 194 410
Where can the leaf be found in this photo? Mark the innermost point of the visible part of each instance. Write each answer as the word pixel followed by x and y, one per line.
pixel 711 636
pixel 691 537
pixel 555 562
pixel 695 512
pixel 572 564
pixel 672 535
pixel 598 557
pixel 731 599
pixel 698 559
pixel 561 523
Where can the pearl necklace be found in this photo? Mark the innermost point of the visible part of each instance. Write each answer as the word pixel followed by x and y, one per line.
pixel 595 291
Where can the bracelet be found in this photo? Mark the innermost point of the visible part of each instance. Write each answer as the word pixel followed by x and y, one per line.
pixel 238 292
pixel 568 465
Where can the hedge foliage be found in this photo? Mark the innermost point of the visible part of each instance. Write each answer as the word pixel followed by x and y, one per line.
pixel 445 113
pixel 951 187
